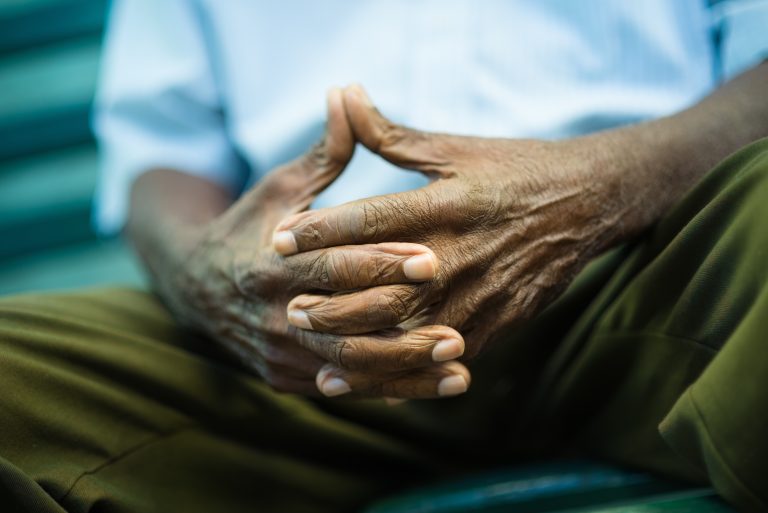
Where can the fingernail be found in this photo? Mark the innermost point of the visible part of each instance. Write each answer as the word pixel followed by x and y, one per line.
pixel 285 243
pixel 334 387
pixel 447 349
pixel 323 372
pixel 299 318
pixel 452 385
pixel 419 267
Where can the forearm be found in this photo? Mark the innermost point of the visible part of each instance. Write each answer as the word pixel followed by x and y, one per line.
pixel 652 165
pixel 167 214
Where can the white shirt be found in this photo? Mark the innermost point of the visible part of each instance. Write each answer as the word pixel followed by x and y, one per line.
pixel 229 89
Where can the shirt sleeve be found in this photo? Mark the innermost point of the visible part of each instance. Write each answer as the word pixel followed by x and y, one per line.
pixel 743 29
pixel 157 104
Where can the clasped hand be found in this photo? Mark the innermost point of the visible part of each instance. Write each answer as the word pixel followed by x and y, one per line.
pixel 401 286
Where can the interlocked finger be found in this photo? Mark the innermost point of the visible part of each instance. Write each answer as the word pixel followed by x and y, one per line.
pixel 439 380
pixel 361 311
pixel 368 265
pixel 387 350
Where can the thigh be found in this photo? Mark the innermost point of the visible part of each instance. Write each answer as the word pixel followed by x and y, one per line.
pixel 107 405
pixel 676 337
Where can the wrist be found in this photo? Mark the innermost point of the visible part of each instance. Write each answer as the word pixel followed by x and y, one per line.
pixel 636 173
pixel 166 249
pixel 649 166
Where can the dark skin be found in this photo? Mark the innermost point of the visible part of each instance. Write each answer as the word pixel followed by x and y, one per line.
pixel 500 232
pixel 211 260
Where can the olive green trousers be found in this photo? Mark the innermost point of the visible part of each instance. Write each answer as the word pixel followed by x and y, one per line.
pixel 655 358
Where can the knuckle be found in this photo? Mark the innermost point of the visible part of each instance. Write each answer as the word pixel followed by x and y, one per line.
pixel 342 353
pixel 354 356
pixel 256 276
pixel 397 388
pixel 351 269
pixel 340 270
pixel 443 204
pixel 316 343
pixel 390 136
pixel 481 203
pixel 372 219
pixel 382 267
pixel 431 333
pixel 317 267
pixel 394 305
pixel 409 355
pixel 428 210
pixel 423 211
pixel 319 157
pixel 312 232
pixel 334 348
pixel 323 311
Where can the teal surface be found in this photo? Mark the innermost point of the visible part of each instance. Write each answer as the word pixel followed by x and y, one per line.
pixel 32 23
pixel 49 63
pixel 555 487
pixel 15 8
pixel 45 200
pixel 35 81
pixel 73 266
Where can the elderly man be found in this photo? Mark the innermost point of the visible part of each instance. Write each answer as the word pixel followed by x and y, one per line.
pixel 590 259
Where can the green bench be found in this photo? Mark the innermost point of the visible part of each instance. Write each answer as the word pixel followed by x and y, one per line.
pixel 49 56
pixel 565 486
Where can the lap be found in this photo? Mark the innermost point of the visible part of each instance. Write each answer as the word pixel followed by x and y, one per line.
pixel 107 400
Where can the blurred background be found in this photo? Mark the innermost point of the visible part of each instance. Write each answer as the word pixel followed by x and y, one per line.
pixel 49 58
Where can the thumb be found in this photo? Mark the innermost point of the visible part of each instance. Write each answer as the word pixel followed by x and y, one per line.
pixel 404 147
pixel 293 186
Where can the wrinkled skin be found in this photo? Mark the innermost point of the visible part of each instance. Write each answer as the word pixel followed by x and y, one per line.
pixel 510 222
pixel 504 228
pixel 235 287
